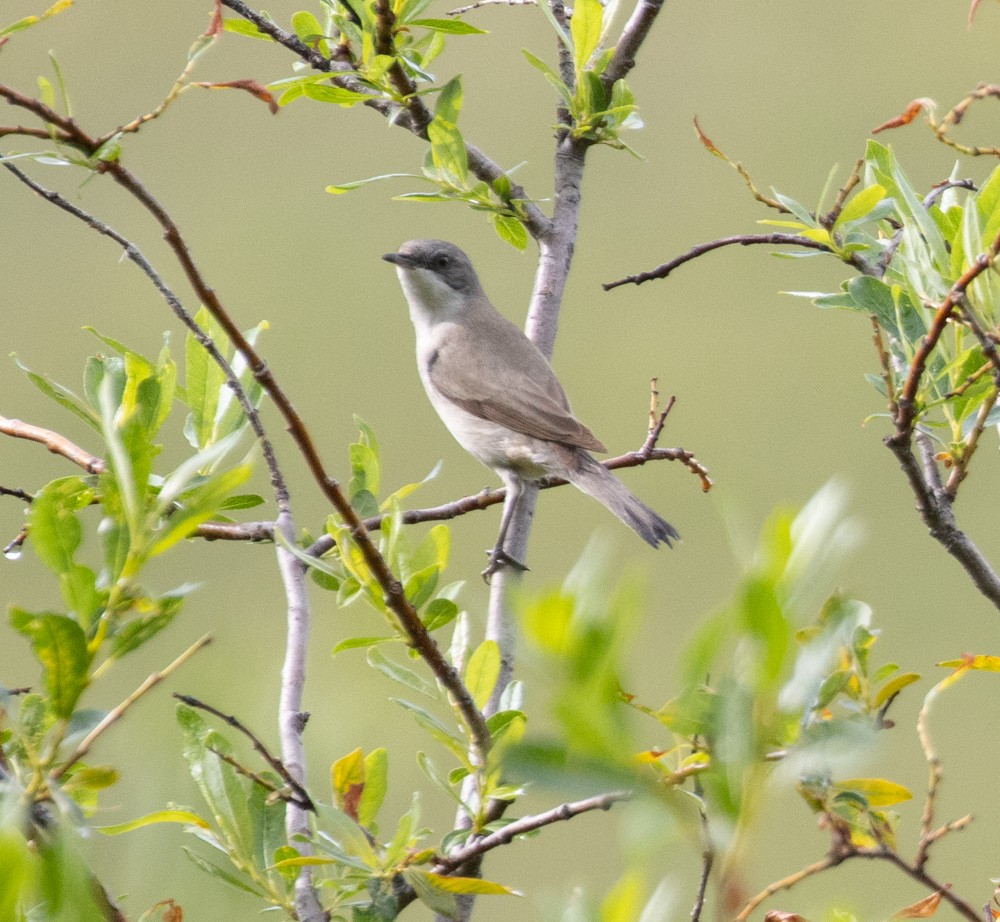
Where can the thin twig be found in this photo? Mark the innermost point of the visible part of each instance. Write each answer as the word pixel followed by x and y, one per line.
pixel 481 3
pixel 116 713
pixel 662 271
pixel 830 218
pixel 786 883
pixel 707 854
pixel 260 780
pixel 301 794
pixel 479 846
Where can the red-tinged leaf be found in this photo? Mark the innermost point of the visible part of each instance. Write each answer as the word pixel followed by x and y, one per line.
pixel 907 116
pixel 350 800
pixel 251 86
pixel 348 778
pixel 215 26
pixel 777 916
pixel 708 143
pixel 922 909
pixel 972 15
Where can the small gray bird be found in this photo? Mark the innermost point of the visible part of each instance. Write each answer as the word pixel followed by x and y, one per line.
pixel 498 395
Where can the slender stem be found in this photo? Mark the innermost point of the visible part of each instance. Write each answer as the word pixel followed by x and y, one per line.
pixel 479 846
pixel 786 883
pixel 118 712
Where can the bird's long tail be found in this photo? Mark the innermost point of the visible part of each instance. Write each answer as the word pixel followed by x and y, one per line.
pixel 589 475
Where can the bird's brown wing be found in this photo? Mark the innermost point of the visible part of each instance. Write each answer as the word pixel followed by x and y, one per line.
pixel 518 390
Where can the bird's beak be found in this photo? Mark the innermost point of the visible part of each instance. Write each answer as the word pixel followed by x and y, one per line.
pixel 399 259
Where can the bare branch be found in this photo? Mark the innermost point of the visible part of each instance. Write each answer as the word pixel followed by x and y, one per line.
pixel 116 713
pixel 53 441
pixel 479 846
pixel 662 271
pixel 16 492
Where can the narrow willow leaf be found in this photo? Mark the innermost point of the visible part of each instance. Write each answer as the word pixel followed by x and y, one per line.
pixel 448 26
pixel 150 819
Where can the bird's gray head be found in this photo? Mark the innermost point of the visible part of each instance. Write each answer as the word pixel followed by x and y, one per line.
pixel 438 258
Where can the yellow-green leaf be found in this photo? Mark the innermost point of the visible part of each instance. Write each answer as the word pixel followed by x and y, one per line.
pixel 158 816
pixel 879 792
pixel 468 885
pixel 894 686
pixel 482 672
pixel 983 662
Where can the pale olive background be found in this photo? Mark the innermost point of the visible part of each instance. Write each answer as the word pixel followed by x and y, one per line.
pixel 770 391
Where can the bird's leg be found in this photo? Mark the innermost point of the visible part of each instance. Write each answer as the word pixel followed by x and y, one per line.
pixel 498 556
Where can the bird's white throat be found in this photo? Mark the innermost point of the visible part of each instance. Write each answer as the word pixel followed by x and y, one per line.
pixel 430 297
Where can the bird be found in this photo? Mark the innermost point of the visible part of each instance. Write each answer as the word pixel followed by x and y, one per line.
pixel 498 395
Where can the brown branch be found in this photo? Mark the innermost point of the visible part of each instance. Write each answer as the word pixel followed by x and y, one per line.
pixel 662 271
pixel 18 493
pixel 301 794
pixel 955 115
pixel 786 883
pixel 53 441
pixel 479 846
pixel 116 713
pixel 830 218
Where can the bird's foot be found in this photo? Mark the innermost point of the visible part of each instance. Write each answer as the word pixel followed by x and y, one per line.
pixel 500 558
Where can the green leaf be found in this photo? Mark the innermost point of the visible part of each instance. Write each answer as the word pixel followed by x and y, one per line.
pixel 366 470
pixel 448 26
pixel 243 27
pixel 204 380
pixel 353 643
pixel 223 789
pixel 439 901
pixel 586 26
pixel 376 786
pixel 321 92
pixel 483 671
pixel 434 776
pixel 447 738
pixel 309 30
pixel 61 395
pixel 347 834
pixel 218 873
pixel 61 648
pixel 510 229
pixel 157 614
pixel 401 674
pixel 550 75
pixel 439 613
pixel 469 885
pixel 52 517
pixel 156 817
pixel 860 205
pixel 347 187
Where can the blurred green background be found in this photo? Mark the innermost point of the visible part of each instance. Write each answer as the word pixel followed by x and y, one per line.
pixel 770 391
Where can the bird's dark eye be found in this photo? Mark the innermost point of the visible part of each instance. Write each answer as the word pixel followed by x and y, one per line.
pixel 442 261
